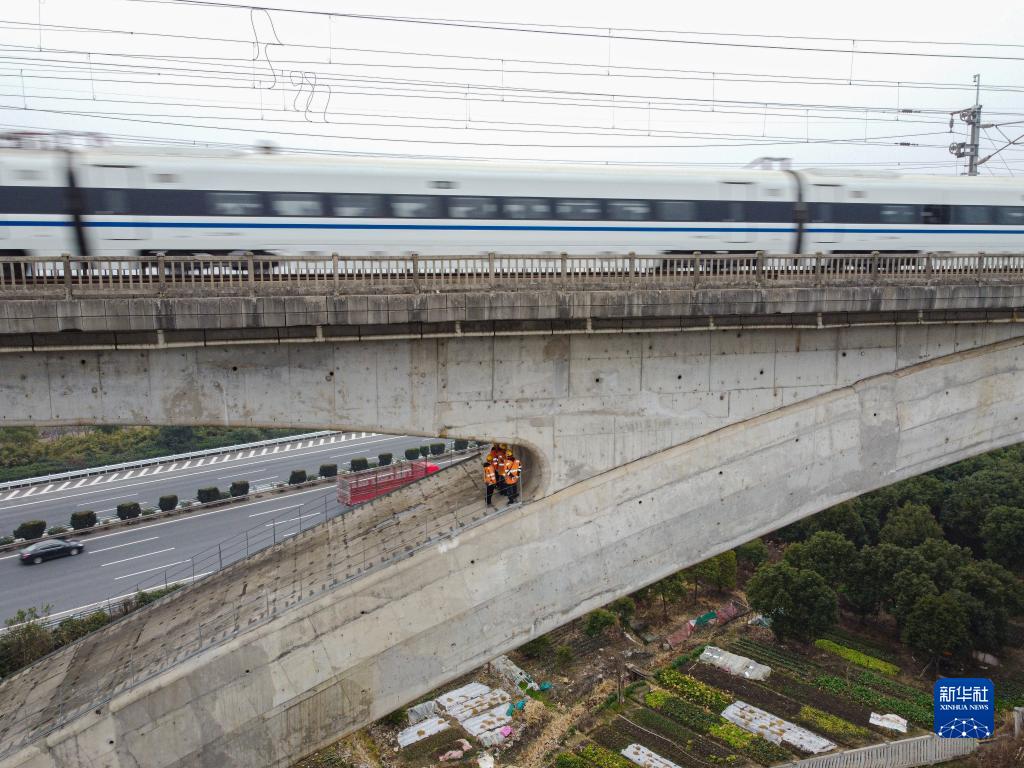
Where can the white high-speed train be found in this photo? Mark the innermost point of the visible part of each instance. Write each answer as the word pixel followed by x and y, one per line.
pixel 118 202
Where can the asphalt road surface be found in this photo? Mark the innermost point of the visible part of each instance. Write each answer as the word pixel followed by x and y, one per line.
pixel 121 561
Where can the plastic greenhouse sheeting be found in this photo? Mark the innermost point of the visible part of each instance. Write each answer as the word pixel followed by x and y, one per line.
pixel 642 756
pixel 479 704
pixel 740 666
pixel 513 673
pixel 890 721
pixel 775 729
pixel 421 730
pixel 459 696
pixel 488 721
pixel 422 711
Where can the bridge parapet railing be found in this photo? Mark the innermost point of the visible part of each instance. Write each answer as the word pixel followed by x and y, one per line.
pixel 250 274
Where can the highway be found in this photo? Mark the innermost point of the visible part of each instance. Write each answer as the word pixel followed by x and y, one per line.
pixel 118 562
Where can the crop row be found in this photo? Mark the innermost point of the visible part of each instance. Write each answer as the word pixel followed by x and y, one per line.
pixel 693 690
pixel 776 658
pixel 850 640
pixel 857 657
pixel 876 700
pixel 749 744
pixel 839 729
pixel 671 740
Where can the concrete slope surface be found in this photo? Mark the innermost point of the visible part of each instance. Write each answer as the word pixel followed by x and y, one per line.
pixel 266 690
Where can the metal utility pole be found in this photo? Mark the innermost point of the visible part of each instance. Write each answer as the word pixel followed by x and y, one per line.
pixel 971 116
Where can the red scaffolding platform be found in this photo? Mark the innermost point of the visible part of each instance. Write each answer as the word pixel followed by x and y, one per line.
pixel 357 487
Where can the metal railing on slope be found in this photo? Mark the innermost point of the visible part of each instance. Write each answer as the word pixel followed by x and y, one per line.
pixel 284 274
pixel 353 554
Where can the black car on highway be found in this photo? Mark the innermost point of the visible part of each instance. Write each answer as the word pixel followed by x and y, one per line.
pixel 47 550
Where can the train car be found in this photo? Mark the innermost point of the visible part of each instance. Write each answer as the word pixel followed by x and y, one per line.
pixel 124 202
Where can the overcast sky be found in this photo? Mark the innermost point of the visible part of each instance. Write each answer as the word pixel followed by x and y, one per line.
pixel 641 81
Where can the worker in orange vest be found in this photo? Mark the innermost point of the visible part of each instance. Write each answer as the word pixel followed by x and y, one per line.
pixel 511 471
pixel 490 481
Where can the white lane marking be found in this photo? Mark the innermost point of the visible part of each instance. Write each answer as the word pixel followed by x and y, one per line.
pixel 80 483
pixel 290 520
pixel 160 468
pixel 13 495
pixel 200 462
pixel 136 557
pixel 143 471
pixel 64 485
pixel 251 480
pixel 47 488
pixel 95 481
pixel 276 449
pixel 251 453
pixel 282 509
pixel 110 478
pixel 128 544
pixel 29 492
pixel 263 452
pixel 187 464
pixel 149 570
pixel 251 463
pixel 128 475
pixel 172 467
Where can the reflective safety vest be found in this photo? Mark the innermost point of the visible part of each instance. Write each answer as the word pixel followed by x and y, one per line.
pixel 490 477
pixel 511 471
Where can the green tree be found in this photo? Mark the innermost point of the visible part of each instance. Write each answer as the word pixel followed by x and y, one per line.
pixel 908 587
pixel 866 583
pixel 923 489
pixel 25 640
pixel 1003 536
pixel 972 498
pixel 669 590
pixel 996 596
pixel 624 608
pixel 724 574
pixel 845 520
pixel 827 553
pixel 799 603
pixel 941 559
pixel 910 525
pixel 938 626
pixel 598 621
pixel 752 553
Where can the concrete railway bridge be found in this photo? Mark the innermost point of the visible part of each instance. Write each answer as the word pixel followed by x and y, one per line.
pixel 666 414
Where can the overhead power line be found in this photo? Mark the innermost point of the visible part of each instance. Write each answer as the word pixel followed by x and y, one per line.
pixel 573 32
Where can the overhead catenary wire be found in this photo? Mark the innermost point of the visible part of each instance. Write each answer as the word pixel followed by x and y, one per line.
pixel 604 70
pixel 568 31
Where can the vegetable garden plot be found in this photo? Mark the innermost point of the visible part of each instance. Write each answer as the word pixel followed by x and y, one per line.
pixel 679 744
pixel 862 644
pixel 777 658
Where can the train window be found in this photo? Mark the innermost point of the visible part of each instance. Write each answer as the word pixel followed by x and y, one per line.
pixel 472 207
pixel 578 210
pixel 735 211
pixel 898 214
pixel 358 206
pixel 935 214
pixel 1010 214
pixel 526 208
pixel 235 203
pixel 416 207
pixel 629 210
pixel 676 210
pixel 111 201
pixel 972 214
pixel 296 204
pixel 822 213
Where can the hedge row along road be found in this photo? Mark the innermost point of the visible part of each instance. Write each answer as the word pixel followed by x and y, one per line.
pixel 54 502
pixel 114 562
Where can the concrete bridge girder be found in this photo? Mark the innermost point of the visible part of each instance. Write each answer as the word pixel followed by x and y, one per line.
pixel 351 655
pixel 580 404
